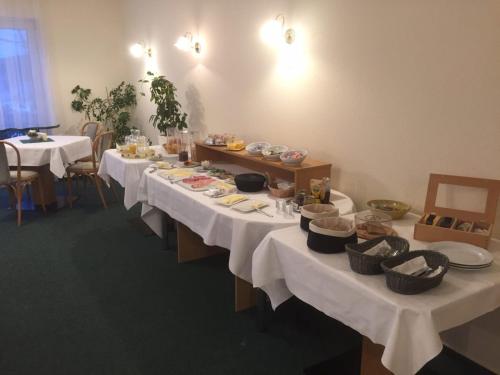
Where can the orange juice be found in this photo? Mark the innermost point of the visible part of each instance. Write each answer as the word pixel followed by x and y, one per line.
pixel 132 148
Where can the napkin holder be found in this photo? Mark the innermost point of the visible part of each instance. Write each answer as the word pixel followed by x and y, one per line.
pixel 425 230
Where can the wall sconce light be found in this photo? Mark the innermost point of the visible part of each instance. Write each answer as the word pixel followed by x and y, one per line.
pixel 186 43
pixel 275 32
pixel 139 49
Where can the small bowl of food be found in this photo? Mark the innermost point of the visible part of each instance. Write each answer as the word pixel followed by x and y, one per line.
pixel 255 148
pixel 293 157
pixel 370 225
pixel 273 153
pixel 395 209
pixel 236 145
pixel 32 133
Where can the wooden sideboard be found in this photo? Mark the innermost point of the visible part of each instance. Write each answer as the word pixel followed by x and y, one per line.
pixel 300 175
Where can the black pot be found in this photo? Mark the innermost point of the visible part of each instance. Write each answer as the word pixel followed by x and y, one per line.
pixel 323 236
pixel 250 182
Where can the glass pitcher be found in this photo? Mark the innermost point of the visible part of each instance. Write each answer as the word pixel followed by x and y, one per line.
pixel 185 145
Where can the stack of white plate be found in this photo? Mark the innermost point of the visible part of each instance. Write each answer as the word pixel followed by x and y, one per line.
pixel 463 255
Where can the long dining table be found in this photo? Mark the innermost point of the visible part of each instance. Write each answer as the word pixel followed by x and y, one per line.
pixel 49 158
pixel 206 228
pixel 127 172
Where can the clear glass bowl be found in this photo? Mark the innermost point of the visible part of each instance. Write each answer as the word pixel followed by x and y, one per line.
pixel 371 224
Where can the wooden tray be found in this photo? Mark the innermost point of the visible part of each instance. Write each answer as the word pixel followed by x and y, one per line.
pixel 485 220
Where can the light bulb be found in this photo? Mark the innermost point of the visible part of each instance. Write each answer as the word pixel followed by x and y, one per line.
pixel 136 50
pixel 183 43
pixel 271 33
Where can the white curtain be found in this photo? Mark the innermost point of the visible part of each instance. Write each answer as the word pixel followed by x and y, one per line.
pixel 24 94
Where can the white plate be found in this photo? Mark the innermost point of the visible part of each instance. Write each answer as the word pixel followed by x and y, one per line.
pixel 462 254
pixel 468 268
pixel 249 205
pixel 455 265
pixel 222 201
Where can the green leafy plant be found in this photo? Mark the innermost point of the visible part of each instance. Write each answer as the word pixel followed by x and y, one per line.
pixel 168 110
pixel 113 111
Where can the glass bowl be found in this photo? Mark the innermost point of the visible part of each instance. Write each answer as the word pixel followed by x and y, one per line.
pixel 371 225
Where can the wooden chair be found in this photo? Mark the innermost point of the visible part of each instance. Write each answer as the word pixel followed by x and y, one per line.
pixel 89 168
pixel 92 129
pixel 17 180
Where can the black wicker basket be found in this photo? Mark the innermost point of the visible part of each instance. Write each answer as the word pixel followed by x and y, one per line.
pixel 407 284
pixel 370 264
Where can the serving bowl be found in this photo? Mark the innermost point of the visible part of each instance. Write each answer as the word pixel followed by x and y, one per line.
pixel 371 264
pixel 273 152
pixel 255 148
pixel 395 209
pixel 330 235
pixel 293 157
pixel 250 182
pixel 236 145
pixel 32 134
pixel 371 224
pixel 409 284
pixel 315 211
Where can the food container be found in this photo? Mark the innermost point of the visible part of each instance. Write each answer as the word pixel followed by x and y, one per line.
pixel 255 148
pixel 371 264
pixel 293 157
pixel 236 145
pixel 408 284
pixel 250 182
pixel 370 225
pixel 316 211
pixel 442 223
pixel 281 193
pixel 395 209
pixel 32 133
pixel 273 152
pixel 330 235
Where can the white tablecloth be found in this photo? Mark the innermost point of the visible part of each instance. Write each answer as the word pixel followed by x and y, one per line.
pixel 217 225
pixel 127 172
pixel 64 150
pixel 408 326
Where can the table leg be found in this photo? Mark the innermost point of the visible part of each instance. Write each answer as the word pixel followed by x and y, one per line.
pixel 190 246
pixel 48 185
pixel 244 294
pixel 371 357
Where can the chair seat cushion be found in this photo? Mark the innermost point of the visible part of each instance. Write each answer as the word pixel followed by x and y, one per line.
pixel 83 166
pixel 25 175
pixel 87 158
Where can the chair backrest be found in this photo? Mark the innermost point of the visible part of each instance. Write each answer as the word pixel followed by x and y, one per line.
pixel 4 163
pixel 91 129
pixel 102 143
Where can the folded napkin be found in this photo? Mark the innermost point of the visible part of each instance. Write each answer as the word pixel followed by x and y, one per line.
pixel 417 267
pixel 382 248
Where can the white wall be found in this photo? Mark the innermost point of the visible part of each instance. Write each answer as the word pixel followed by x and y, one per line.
pixel 394 89
pixel 84 45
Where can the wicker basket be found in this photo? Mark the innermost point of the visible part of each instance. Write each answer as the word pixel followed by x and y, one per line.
pixel 407 284
pixel 370 264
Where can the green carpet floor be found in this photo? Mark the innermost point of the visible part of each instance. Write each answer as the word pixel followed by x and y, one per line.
pixel 82 291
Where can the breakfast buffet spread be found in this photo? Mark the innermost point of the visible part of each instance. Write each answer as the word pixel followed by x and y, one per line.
pixel 238 196
pixel 295 183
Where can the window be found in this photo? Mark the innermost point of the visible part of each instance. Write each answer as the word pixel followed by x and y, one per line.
pixel 24 102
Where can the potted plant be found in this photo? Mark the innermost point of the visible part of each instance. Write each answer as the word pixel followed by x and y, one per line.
pixel 169 118
pixel 113 111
